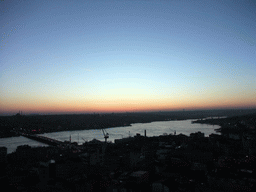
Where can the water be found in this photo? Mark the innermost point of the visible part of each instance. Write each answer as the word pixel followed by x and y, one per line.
pixel 152 129
pixel 13 142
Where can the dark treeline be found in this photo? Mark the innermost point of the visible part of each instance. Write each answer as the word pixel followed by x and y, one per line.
pixel 9 125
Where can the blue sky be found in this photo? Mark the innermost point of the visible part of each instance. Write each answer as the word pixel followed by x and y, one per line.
pixel 83 56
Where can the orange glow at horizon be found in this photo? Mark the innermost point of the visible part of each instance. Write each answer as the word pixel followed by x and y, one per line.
pixel 121 105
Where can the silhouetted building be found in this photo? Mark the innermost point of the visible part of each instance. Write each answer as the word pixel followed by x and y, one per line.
pixel 124 140
pixel 140 176
pixel 249 143
pixel 3 153
pixel 197 135
pixel 69 167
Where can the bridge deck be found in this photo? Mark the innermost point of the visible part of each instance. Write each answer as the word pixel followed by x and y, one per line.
pixel 43 139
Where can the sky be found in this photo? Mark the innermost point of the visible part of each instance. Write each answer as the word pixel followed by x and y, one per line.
pixel 126 55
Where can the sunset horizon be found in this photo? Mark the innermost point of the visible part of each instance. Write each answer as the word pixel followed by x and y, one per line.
pixel 76 112
pixel 126 56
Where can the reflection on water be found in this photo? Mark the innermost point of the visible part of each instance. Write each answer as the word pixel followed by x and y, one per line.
pixel 152 129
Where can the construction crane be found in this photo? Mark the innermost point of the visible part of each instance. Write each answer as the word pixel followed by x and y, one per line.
pixel 173 130
pixel 104 146
pixel 105 135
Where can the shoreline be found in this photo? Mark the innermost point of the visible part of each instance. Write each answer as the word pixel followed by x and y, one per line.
pixel 79 129
pixel 11 126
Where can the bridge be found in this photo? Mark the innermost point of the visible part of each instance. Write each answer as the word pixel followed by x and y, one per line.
pixel 53 142
pixel 43 139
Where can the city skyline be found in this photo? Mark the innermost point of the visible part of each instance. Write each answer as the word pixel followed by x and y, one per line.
pixel 126 56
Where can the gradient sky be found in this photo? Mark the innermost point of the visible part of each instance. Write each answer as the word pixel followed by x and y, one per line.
pixel 108 56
